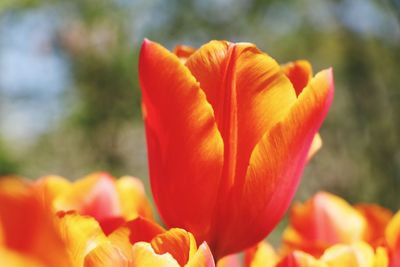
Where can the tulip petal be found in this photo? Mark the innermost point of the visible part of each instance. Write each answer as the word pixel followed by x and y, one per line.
pixel 315 146
pixel 133 198
pixel 318 224
pixel 299 73
pixel 377 218
pixel 144 255
pixel 93 195
pixel 82 234
pixel 280 157
pixel 301 259
pixel 392 234
pixel 183 52
pixel 106 255
pixel 27 225
pixel 177 242
pixel 261 255
pixel 202 257
pixel 358 254
pixel 141 229
pixel 249 94
pixel 233 260
pixel 14 259
pixel 180 127
pixel 50 187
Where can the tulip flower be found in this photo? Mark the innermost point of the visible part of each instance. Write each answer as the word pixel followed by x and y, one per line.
pixel 228 134
pixel 318 224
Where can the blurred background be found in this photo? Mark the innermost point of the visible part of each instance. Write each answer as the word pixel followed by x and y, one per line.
pixel 70 99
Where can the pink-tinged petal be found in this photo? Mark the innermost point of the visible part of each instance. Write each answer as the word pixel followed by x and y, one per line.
pixel 144 255
pixel 184 146
pixel 233 260
pixel 318 224
pixel 93 195
pixel 202 258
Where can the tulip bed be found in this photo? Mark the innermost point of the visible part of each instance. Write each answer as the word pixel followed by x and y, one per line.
pixel 229 132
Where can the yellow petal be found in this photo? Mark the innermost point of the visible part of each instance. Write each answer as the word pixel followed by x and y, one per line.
pixel 392 235
pixel 202 257
pixel 359 254
pixel 262 255
pixel 177 242
pixel 144 256
pixel 82 234
pixel 106 255
pixel 315 146
pixel 132 198
pixel 10 258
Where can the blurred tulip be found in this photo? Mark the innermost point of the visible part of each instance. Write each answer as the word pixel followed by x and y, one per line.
pixel 29 234
pixel 321 222
pixel 98 195
pixel 358 254
pixel 228 135
pixel 392 234
pixel 377 219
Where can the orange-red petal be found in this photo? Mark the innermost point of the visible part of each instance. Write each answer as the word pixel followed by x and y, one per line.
pixel 299 73
pixel 28 226
pixel 184 146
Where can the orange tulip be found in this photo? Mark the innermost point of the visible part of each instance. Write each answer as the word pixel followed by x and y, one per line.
pixel 228 135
